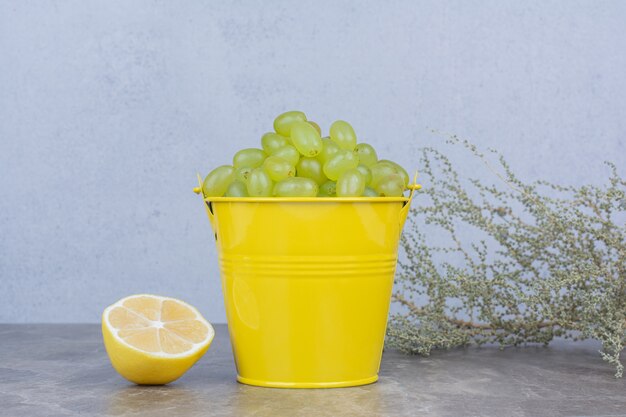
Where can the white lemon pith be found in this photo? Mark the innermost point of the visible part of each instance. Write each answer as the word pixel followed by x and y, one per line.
pixel 154 340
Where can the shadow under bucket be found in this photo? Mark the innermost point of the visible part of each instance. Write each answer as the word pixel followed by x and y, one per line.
pixel 307 284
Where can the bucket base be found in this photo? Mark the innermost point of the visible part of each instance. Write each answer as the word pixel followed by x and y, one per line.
pixel 277 384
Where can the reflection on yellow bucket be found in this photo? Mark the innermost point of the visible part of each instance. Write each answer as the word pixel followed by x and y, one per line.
pixel 307 284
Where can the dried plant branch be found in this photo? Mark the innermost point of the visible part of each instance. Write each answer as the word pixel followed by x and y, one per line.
pixel 542 260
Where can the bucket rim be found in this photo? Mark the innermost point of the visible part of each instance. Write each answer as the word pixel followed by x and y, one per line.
pixel 404 199
pixel 306 199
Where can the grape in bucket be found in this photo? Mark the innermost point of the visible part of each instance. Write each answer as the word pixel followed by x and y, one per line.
pixel 295 161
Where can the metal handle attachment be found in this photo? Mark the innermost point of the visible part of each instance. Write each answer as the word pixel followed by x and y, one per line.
pixel 404 211
pixel 208 205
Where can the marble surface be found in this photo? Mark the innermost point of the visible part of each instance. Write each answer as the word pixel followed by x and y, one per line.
pixel 62 370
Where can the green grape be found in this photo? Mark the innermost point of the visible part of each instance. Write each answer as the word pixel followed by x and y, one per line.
pixel 296 162
pixel 216 183
pixel 306 139
pixel 339 163
pixel 288 153
pixel 367 154
pixel 368 192
pixel 397 168
pixel 311 168
pixel 296 187
pixel 343 135
pixel 271 142
pixel 249 158
pixel 328 189
pixel 380 171
pixel 329 148
pixel 259 183
pixel 237 189
pixel 278 169
pixel 243 174
pixel 367 173
pixel 316 126
pixel 390 186
pixel 283 123
pixel 350 184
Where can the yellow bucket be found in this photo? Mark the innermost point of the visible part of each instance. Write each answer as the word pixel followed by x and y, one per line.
pixel 307 284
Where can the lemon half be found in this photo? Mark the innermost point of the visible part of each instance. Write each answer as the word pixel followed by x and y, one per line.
pixel 154 340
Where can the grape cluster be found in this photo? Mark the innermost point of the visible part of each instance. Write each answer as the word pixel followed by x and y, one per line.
pixel 295 161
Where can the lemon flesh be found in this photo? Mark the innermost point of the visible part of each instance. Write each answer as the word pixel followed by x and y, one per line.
pixel 154 340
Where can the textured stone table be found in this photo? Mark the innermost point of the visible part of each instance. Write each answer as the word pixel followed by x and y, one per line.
pixel 62 370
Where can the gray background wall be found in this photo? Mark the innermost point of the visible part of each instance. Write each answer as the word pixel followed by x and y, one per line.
pixel 109 108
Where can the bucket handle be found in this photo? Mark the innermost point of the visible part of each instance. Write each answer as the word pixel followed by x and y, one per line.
pixel 209 205
pixel 404 211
